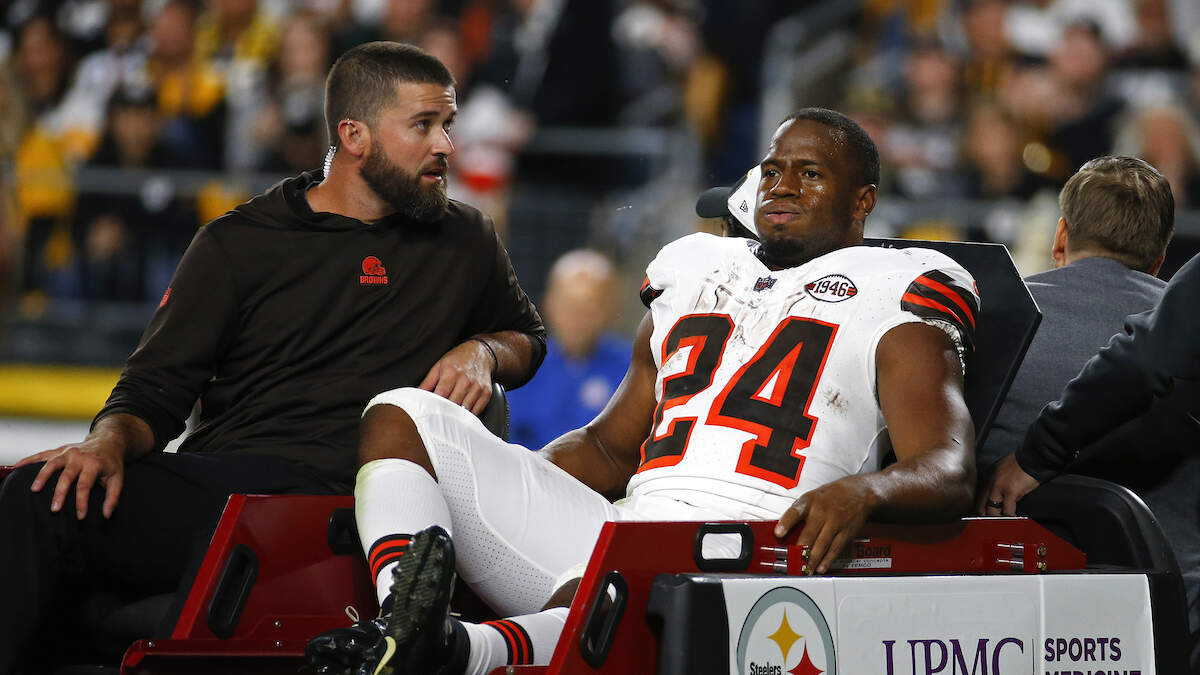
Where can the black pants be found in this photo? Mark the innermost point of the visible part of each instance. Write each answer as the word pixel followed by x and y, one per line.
pixel 161 526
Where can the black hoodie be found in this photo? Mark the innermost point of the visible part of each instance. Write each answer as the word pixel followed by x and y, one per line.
pixel 285 322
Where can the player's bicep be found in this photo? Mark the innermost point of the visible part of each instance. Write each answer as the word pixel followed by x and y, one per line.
pixel 920 384
pixel 625 422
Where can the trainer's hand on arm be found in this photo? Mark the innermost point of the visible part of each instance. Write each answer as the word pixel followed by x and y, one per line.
pixel 101 457
pixel 1007 485
pixel 465 374
pixel 919 381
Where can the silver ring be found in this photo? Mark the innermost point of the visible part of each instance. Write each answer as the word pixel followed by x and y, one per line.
pixel 995 505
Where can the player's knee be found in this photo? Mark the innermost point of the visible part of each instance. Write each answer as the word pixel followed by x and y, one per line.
pixel 389 432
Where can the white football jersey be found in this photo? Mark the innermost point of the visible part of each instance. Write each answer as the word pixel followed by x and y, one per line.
pixel 766 379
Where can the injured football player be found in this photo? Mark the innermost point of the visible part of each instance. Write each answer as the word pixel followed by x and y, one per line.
pixel 768 380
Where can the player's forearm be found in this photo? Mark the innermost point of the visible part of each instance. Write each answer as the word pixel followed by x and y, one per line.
pixel 583 454
pixel 517 356
pixel 934 485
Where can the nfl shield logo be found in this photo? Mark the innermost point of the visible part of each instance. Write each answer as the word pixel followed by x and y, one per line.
pixel 764 283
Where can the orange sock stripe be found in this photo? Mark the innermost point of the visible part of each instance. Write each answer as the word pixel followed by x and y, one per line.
pixel 527 644
pixel 383 562
pixel 509 641
pixel 382 551
pixel 518 653
pixel 385 550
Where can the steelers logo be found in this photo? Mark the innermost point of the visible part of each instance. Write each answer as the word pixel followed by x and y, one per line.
pixel 785 633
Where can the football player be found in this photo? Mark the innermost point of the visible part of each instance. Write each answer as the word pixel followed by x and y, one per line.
pixel 768 380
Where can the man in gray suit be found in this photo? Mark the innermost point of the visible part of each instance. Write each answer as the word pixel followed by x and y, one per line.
pixel 1117 218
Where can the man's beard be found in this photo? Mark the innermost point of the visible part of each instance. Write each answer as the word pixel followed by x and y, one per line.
pixel 785 253
pixel 402 190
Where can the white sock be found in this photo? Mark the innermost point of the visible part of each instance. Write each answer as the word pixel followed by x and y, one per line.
pixel 518 640
pixel 393 500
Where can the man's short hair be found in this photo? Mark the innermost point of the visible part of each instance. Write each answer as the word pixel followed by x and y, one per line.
pixel 1121 207
pixel 363 81
pixel 864 154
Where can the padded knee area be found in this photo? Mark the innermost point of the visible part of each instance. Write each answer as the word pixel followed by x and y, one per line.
pixel 436 418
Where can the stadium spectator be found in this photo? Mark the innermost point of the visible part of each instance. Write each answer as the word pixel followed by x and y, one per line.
pixel 1155 45
pixel 922 144
pixel 1165 135
pixel 98 74
pixel 239 42
pixel 658 44
pixel 989 57
pixel 1035 26
pixel 288 132
pixel 283 317
pixel 122 241
pixel 191 92
pixel 584 361
pixel 992 148
pixel 398 20
pixel 443 38
pixel 555 63
pixel 14 113
pixel 1083 115
pixel 1117 219
pixel 1066 104
pixel 722 335
pixel 47 150
pixel 235 34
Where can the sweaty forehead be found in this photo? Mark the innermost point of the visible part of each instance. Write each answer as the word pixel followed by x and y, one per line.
pixel 807 139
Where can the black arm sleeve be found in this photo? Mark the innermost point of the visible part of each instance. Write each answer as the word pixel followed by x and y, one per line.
pixel 179 351
pixel 503 305
pixel 1139 365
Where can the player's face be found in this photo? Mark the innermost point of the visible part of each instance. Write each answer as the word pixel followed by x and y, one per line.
pixel 407 162
pixel 807 197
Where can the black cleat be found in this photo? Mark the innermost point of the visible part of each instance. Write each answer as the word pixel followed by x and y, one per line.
pixel 420 624
pixel 415 635
pixel 356 650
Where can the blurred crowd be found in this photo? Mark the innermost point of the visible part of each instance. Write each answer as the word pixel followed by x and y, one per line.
pixel 126 124
pixel 1006 99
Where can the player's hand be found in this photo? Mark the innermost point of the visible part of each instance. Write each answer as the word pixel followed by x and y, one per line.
pixel 464 376
pixel 97 459
pixel 1007 484
pixel 832 515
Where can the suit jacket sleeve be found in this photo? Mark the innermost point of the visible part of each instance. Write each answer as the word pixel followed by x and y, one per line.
pixel 1141 364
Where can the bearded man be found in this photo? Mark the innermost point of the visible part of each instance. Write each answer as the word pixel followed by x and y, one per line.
pixel 284 317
